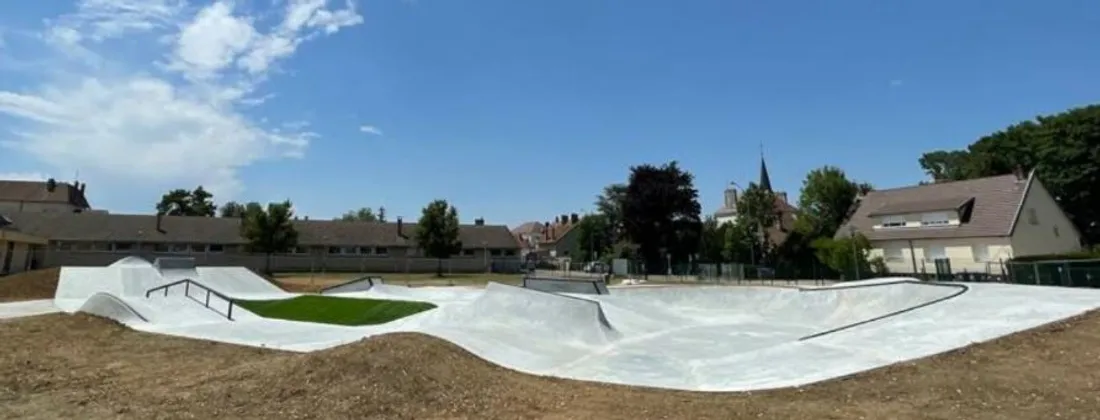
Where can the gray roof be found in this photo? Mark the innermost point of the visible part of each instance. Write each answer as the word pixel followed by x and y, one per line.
pixel 62 226
pixel 36 192
pixel 989 207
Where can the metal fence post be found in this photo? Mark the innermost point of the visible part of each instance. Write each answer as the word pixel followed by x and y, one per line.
pixel 1035 268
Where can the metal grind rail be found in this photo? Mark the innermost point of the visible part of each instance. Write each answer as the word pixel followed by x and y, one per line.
pixel 187 292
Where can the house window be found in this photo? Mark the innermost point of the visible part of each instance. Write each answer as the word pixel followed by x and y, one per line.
pixel 365 250
pixel 215 248
pixel 495 252
pixel 893 254
pixel 299 250
pixel 510 253
pixel 893 221
pixel 467 253
pixel 381 251
pixel 980 253
pixel 121 246
pixel 933 253
pixel 934 219
pixel 334 250
pixel 1032 217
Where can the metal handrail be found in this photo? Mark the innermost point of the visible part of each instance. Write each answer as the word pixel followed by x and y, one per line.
pixel 187 292
pixel 373 280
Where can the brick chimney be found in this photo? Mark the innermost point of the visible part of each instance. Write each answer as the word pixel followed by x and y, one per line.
pixel 401 228
pixel 574 218
pixel 160 221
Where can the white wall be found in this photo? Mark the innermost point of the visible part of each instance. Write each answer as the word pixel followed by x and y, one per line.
pixel 975 255
pixel 1043 228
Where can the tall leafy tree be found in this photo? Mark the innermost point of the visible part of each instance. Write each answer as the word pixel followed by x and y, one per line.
pixel 738 242
pixel 827 196
pixel 845 255
pixel 365 214
pixel 1063 149
pixel 757 213
pixel 382 214
pixel 712 240
pixel 610 204
pixel 181 202
pixel 231 209
pixel 437 232
pixel 660 212
pixel 594 237
pixel 270 230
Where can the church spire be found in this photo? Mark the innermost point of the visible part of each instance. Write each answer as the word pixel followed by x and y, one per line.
pixel 765 180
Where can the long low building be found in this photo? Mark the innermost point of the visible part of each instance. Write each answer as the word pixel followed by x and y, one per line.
pixel 97 238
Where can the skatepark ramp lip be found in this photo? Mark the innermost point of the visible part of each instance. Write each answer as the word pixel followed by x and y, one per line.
pixel 962 288
pixel 566 285
pixel 110 306
pixel 187 292
pixel 360 284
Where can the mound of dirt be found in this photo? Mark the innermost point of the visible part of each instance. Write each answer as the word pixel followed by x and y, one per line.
pixel 30 285
pixel 60 366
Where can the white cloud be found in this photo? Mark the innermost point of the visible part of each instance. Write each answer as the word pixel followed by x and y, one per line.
pixel 133 119
pixel 370 129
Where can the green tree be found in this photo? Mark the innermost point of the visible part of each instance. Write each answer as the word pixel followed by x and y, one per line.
pixel 382 214
pixel 1063 149
pixel 846 255
pixel 610 204
pixel 738 242
pixel 594 237
pixel 365 214
pixel 660 213
pixel 180 202
pixel 270 231
pixel 757 213
pixel 231 209
pixel 712 241
pixel 827 196
pixel 437 232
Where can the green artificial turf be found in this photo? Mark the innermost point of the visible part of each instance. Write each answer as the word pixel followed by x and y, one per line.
pixel 335 310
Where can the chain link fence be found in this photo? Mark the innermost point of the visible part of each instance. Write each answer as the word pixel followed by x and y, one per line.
pixel 1067 273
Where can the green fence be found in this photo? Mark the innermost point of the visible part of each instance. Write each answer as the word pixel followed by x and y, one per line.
pixel 1069 273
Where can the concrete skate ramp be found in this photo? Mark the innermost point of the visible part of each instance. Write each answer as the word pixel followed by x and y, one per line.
pixel 361 284
pixel 692 338
pixel 110 306
pixel 593 286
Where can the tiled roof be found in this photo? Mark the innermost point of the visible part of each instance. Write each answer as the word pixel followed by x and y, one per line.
pixel 143 228
pixel 36 192
pixel 992 212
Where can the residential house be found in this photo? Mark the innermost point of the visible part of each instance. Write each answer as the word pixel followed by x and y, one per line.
pixel 15 248
pixel 93 239
pixel 974 224
pixel 777 233
pixel 548 240
pixel 48 196
pixel 50 224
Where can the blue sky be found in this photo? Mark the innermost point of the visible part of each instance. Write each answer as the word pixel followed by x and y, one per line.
pixel 514 110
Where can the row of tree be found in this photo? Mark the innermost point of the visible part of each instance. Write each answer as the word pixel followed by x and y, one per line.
pixel 270 230
pixel 655 216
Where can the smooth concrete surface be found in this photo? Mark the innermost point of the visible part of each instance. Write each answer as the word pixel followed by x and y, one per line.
pixel 27 308
pixel 704 338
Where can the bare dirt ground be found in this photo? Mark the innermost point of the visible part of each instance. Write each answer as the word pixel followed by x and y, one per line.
pixel 308 283
pixel 32 285
pixel 63 366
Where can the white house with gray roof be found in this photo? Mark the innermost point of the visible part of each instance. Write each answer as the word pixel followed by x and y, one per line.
pixel 975 224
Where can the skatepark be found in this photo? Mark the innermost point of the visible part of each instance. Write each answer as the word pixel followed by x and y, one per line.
pixel 700 338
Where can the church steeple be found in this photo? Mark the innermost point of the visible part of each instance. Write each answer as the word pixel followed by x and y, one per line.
pixel 765 180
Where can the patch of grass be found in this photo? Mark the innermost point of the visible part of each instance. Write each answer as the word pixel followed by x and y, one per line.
pixel 335 310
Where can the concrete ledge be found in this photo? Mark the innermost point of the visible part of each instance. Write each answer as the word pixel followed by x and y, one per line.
pixel 562 285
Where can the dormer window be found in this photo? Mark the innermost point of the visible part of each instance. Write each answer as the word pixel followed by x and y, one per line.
pixel 935 219
pixel 893 221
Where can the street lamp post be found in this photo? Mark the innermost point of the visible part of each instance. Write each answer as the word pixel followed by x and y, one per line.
pixel 855 249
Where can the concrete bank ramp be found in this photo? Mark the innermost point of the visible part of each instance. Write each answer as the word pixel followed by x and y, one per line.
pixel 593 286
pixel 524 329
pixel 361 284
